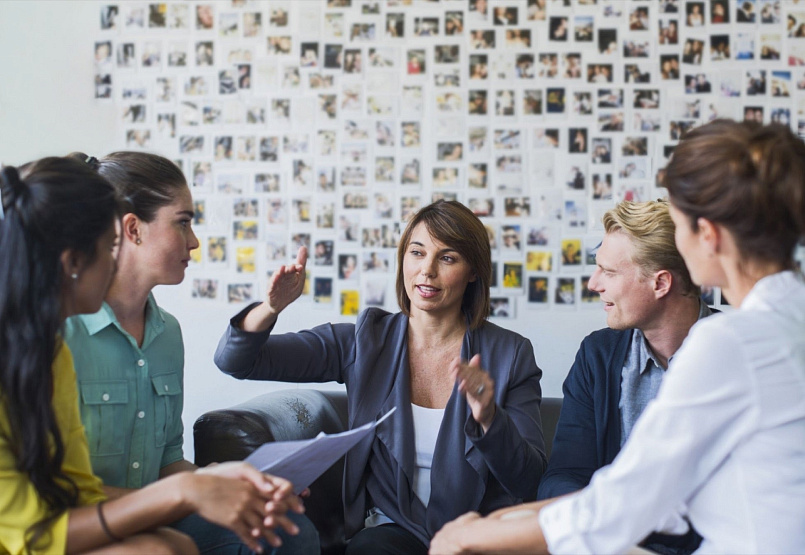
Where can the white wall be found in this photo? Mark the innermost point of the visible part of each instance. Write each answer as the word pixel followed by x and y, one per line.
pixel 47 108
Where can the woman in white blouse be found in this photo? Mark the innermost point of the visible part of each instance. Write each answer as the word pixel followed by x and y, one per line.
pixel 724 441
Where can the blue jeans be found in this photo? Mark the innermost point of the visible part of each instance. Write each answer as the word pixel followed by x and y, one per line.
pixel 211 538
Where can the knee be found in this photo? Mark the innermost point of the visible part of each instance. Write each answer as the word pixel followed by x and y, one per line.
pixel 163 541
pixel 306 541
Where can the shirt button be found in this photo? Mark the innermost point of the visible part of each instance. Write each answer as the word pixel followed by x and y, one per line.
pixel 141 362
pixel 135 465
pixel 166 387
pixel 141 414
pixel 105 396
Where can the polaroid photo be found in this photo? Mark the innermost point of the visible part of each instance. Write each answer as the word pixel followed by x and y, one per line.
pixel 512 276
pixel 245 260
pixel 610 121
pixel 517 207
pixel 555 101
pixel 548 66
pixel 600 73
pixel 754 113
pixel 575 215
pixel 265 182
pixel 217 250
pixel 279 45
pixel 134 16
pixel 532 102
pixel 410 173
pixel 771 46
pixel 323 253
pixel 601 186
pixel 363 32
pixel 501 307
pixel 589 298
pixel 445 177
pixel 692 52
pixel 634 167
pixel 756 82
pixel 564 294
pixel 350 302
pixel 511 238
pixel 383 206
pixel 301 212
pixel 355 200
pixel 409 205
pixel 411 101
pixel 636 73
pixel 377 261
pixel 539 260
pixel 646 121
pixel 770 11
pixel 582 104
pixel 744 46
pixel 447 77
pixel 503 65
pixel 240 293
pixel 348 268
pixel 325 214
pixel 204 288
pixel 374 292
pixel 256 111
pixel 477 105
pixel 780 84
pixel 576 179
pixel 126 55
pixel 323 291
pixel 384 170
pixel 632 192
pixel 577 140
pixel 138 138
pixel 510 163
pixel 276 248
pixel 634 146
pixel 668 32
pixel 639 19
pixel 483 207
pixel 246 148
pixel 538 292
pixel 229 24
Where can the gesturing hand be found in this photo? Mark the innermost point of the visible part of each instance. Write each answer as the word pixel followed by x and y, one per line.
pixel 477 386
pixel 287 283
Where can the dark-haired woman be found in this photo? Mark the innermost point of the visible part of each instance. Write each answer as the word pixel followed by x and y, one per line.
pixel 467 392
pixel 723 441
pixel 129 355
pixel 58 242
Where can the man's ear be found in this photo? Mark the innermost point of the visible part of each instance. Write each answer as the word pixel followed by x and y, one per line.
pixel 663 281
pixel 130 227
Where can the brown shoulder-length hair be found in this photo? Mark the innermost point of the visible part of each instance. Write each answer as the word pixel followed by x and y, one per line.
pixel 453 224
pixel 748 177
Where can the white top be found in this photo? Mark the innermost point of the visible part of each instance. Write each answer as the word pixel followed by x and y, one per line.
pixel 426 429
pixel 724 437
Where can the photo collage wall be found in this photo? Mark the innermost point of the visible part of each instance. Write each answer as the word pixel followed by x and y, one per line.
pixel 327 123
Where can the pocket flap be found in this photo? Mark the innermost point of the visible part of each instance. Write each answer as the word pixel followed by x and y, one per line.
pixel 167 384
pixel 104 393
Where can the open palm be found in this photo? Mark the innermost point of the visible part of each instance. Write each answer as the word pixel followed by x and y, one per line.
pixel 287 283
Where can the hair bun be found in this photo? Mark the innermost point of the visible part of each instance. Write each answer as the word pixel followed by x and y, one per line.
pixel 92 162
pixel 10 178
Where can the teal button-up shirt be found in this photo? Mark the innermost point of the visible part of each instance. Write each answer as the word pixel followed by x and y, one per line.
pixel 130 397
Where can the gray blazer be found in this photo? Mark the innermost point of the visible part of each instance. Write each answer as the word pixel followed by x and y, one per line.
pixel 471 471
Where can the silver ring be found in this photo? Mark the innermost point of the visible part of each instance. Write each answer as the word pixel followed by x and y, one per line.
pixel 480 389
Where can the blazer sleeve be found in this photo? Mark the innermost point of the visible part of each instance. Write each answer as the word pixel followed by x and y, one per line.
pixel 514 446
pixel 573 458
pixel 321 354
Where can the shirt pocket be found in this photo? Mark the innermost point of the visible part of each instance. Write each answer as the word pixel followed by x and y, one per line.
pixel 104 415
pixel 168 389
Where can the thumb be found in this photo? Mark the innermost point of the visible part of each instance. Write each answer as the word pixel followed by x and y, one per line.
pixel 475 361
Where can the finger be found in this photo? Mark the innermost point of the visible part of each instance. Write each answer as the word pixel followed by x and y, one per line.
pixel 271 537
pixel 301 256
pixel 305 493
pixel 245 534
pixel 283 522
pixel 475 361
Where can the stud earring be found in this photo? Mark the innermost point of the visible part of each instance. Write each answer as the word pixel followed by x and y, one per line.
pixel 138 241
pixel 74 275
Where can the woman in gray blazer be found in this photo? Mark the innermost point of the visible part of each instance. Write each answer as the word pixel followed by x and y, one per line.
pixel 466 435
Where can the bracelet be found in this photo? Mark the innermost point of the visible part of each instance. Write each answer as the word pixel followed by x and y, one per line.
pixel 105 526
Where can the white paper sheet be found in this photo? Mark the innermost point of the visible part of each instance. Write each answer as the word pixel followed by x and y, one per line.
pixel 302 461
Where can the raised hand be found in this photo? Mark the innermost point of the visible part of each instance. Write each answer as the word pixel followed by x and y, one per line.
pixel 284 287
pixel 477 386
pixel 287 283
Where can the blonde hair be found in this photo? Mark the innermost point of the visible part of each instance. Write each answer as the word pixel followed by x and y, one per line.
pixel 651 231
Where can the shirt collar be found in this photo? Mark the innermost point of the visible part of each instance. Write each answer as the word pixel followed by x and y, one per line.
pixel 106 317
pixel 645 354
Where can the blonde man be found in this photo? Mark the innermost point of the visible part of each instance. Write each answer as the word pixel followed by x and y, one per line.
pixel 651 304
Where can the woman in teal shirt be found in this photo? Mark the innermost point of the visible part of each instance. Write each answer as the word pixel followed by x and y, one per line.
pixel 129 356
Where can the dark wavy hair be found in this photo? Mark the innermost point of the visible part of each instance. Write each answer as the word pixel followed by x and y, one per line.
pixel 144 182
pixel 56 204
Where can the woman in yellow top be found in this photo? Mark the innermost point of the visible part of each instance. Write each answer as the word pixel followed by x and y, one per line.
pixel 58 242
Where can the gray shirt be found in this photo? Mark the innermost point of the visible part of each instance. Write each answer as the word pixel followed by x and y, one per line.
pixel 641 377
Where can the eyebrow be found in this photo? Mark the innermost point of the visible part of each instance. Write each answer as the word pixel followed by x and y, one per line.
pixel 188 213
pixel 446 249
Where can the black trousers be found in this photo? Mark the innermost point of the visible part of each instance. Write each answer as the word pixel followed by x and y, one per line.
pixel 386 539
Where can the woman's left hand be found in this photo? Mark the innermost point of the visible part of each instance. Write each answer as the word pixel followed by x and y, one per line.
pixel 478 387
pixel 448 540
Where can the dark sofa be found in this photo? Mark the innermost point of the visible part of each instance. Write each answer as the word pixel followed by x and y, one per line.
pixel 233 433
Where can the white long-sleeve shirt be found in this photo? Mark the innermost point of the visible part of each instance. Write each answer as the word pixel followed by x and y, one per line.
pixel 724 437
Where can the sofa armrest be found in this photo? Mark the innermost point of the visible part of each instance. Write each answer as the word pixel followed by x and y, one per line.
pixel 290 414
